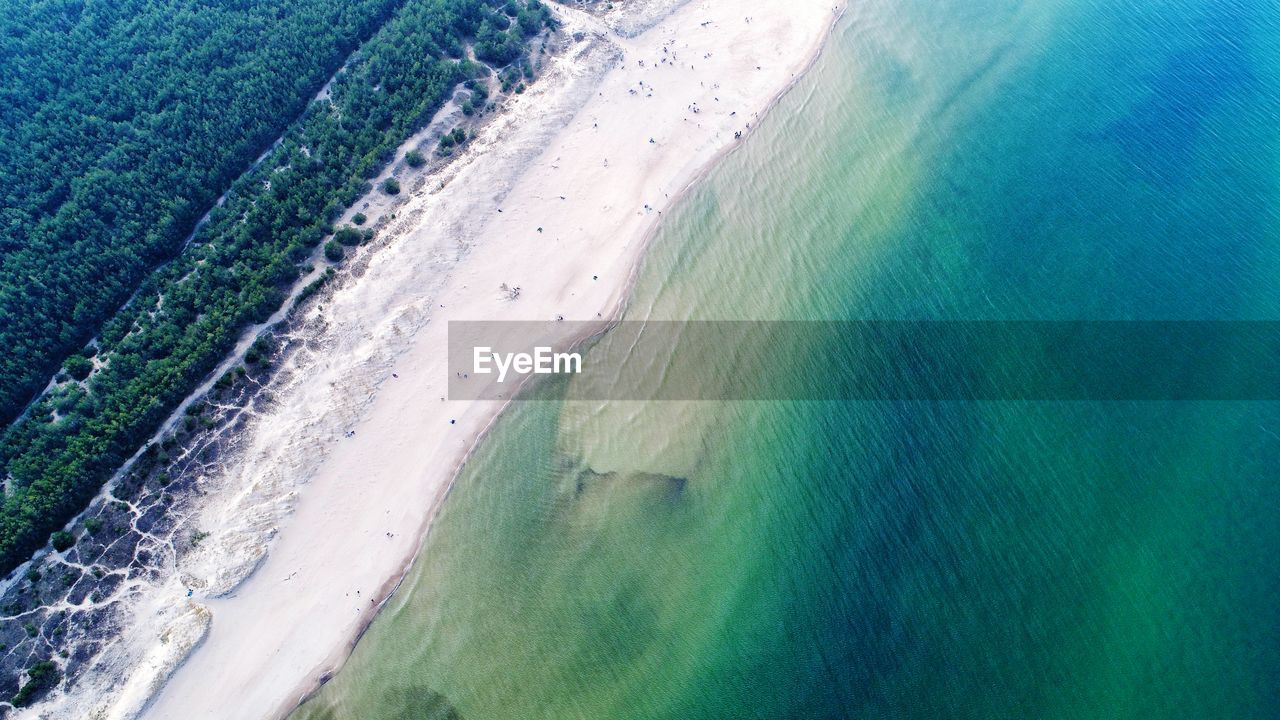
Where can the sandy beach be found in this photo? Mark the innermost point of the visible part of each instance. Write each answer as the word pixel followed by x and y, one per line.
pixel 338 479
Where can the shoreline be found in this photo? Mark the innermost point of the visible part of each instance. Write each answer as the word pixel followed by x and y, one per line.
pixel 294 533
pixel 619 310
pixel 625 291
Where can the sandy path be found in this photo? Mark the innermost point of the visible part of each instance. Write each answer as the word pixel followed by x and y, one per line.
pixel 584 171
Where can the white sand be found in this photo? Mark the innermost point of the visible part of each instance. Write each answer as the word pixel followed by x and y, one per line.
pixel 322 525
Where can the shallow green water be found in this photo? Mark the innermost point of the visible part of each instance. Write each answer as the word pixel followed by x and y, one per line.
pixel 1039 160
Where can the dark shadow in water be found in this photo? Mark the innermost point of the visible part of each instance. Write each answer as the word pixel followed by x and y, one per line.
pixel 671 487
pixel 1162 134
pixel 414 703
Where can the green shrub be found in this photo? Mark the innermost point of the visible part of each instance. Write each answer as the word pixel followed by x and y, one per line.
pixel 348 236
pixel 333 252
pixel 258 351
pixel 479 90
pixel 316 284
pixel 457 136
pixel 391 186
pixel 62 540
pixel 359 218
pixel 79 366
pixel 414 159
pixel 40 677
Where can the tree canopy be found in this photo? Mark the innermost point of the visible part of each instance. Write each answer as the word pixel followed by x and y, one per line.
pixel 98 206
pixel 120 123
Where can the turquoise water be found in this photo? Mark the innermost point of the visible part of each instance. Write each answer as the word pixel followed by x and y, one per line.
pixel 976 160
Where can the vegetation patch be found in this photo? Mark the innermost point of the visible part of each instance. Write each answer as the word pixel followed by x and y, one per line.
pixel 40 677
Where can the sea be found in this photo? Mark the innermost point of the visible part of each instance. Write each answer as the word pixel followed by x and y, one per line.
pixel 1077 559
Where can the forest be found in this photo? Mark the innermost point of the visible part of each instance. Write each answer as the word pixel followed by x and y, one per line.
pixel 123 124
pixel 120 123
